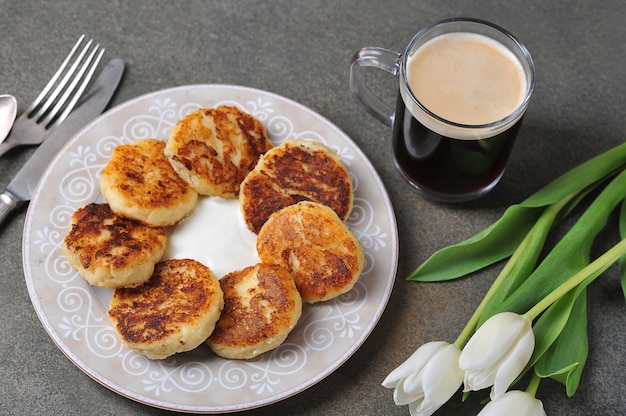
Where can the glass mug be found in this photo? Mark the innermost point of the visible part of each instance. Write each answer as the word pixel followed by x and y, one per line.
pixel 464 86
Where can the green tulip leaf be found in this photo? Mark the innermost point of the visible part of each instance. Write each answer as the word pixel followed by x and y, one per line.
pixel 565 358
pixel 622 230
pixel 569 256
pixel 491 245
pixel 500 239
pixel 595 169
pixel 524 258
pixel 549 326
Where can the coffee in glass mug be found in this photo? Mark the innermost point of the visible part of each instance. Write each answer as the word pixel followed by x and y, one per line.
pixel 464 85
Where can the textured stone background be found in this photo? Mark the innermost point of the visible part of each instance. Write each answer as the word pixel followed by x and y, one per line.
pixel 302 50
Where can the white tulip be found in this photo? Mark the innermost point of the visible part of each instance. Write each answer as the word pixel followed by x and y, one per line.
pixel 514 403
pixel 497 353
pixel 427 379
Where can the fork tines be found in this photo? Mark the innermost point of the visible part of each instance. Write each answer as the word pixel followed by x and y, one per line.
pixel 67 85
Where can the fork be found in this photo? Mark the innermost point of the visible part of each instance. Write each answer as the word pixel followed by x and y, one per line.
pixel 58 98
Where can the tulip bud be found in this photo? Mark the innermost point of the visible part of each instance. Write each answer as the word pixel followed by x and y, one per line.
pixel 427 379
pixel 497 353
pixel 514 403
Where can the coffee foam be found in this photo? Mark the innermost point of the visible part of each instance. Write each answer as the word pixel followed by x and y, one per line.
pixel 467 79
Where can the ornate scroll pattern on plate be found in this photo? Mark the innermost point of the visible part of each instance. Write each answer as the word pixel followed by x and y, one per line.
pixel 84 319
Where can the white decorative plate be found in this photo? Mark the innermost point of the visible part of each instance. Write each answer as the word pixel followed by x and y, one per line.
pixel 75 313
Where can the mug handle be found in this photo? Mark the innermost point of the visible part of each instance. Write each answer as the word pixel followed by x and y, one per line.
pixel 373 56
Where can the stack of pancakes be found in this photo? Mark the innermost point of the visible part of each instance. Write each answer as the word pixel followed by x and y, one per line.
pixel 295 196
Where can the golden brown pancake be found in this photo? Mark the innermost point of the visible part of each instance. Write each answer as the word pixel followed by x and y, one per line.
pixel 213 149
pixel 175 311
pixel 112 251
pixel 320 251
pixel 138 182
pixel 261 307
pixel 295 171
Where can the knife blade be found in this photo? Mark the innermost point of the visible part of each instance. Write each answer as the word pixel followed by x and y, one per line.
pixel 22 186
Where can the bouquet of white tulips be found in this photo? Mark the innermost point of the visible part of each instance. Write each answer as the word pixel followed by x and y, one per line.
pixel 534 317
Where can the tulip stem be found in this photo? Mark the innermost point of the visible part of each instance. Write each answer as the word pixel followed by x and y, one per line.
pixel 584 276
pixel 533 385
pixel 506 271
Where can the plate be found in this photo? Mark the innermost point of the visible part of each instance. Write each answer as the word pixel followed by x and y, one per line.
pixel 75 314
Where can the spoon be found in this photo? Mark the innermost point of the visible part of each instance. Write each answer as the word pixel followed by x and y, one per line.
pixel 8 110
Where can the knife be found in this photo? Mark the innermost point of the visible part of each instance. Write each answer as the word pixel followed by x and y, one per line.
pixel 21 188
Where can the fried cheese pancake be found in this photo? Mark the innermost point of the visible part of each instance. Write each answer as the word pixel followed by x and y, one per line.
pixel 111 251
pixel 213 149
pixel 175 311
pixel 321 252
pixel 295 171
pixel 261 307
pixel 138 182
